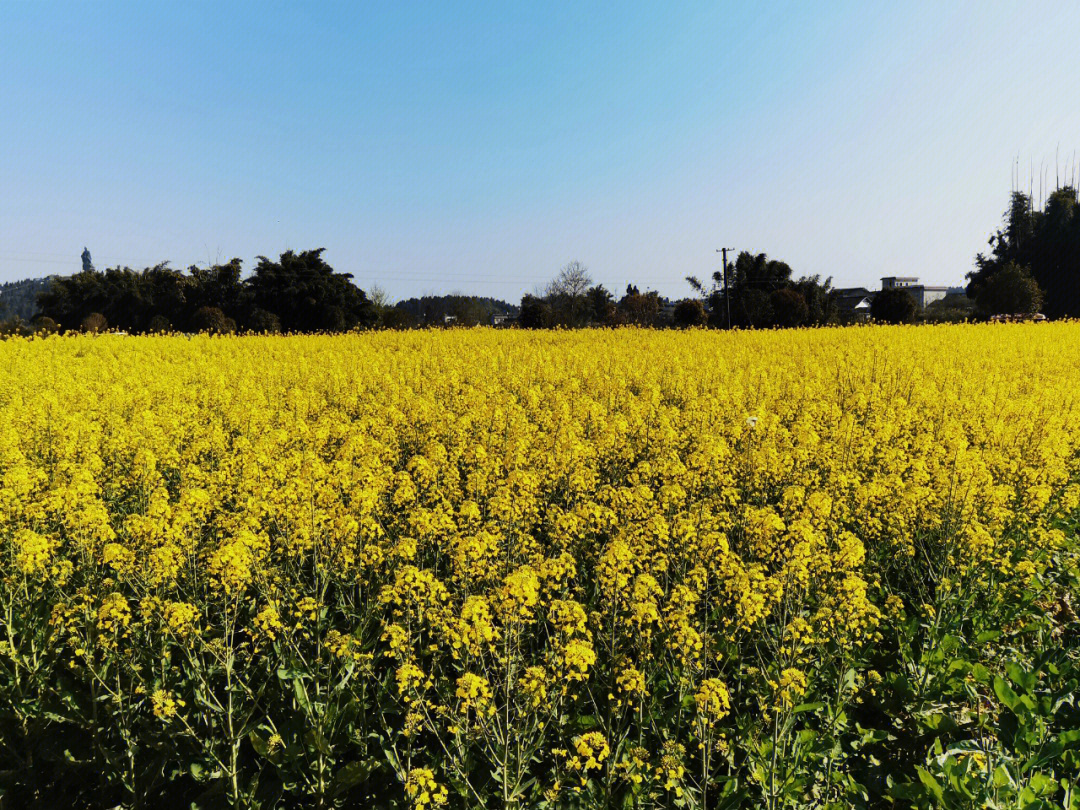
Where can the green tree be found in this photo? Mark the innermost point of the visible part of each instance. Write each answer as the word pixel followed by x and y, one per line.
pixel 263 321
pixel 307 294
pixel 535 313
pixel 431 310
pixel 1046 241
pixel 1011 290
pixel 601 305
pixel 690 312
pixel 789 308
pixel 19 299
pixel 894 305
pixel 213 320
pixel 818 295
pixel 638 308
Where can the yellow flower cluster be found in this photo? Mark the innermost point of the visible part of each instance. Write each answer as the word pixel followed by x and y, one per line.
pixel 713 700
pixel 422 788
pixel 521 528
pixel 165 704
pixel 591 750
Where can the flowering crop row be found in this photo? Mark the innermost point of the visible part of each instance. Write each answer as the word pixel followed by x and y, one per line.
pixel 502 569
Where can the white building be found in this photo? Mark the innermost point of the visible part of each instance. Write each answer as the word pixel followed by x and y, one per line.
pixel 923 295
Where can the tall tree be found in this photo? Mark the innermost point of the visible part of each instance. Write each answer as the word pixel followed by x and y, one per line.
pixel 601 305
pixel 566 295
pixel 1010 291
pixel 219 286
pixel 789 307
pixel 535 313
pixel 639 309
pixel 1047 242
pixel 307 294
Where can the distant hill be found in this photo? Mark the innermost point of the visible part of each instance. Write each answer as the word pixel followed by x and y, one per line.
pixel 18 299
pixel 466 309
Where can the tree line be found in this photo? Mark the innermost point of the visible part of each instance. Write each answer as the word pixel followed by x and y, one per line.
pixel 1033 264
pixel 298 292
pixel 18 299
pixel 758 293
pixel 1034 261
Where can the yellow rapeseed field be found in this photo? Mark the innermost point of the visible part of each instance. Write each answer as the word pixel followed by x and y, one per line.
pixel 481 568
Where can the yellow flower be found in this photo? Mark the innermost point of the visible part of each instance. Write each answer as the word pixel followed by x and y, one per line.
pixel 33 551
pixel 180 618
pixel 713 701
pixel 164 704
pixel 114 615
pixel 534 684
pixel 473 693
pixel 791 687
pixel 577 657
pixel 592 749
pixel 423 790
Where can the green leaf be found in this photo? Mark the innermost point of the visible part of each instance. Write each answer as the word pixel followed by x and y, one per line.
pixel 980 673
pixel 259 744
pixel 931 783
pixel 349 776
pixel 1021 677
pixel 907 791
pixel 1042 784
pixel 874 735
pixel 1005 693
pixel 301 694
pixel 315 739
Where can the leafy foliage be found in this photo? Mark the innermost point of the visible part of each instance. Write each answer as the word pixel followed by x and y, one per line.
pixel 18 299
pixel 1047 242
pixel 894 305
pixel 1011 290
pixel 761 293
pixel 298 292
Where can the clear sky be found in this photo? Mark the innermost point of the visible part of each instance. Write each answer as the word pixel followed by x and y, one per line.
pixel 477 147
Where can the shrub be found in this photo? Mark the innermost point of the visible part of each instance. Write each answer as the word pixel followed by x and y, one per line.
pixel 263 322
pixel 690 312
pixel 45 326
pixel 1010 291
pixel 158 325
pixel 894 305
pixel 211 319
pixel 94 322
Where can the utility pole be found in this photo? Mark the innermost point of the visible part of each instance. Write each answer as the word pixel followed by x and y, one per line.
pixel 727 298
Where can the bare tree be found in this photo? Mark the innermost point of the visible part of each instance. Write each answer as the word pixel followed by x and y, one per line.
pixel 566 295
pixel 572 282
pixel 377 295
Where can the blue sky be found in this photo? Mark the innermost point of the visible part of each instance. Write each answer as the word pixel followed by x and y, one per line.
pixel 478 147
